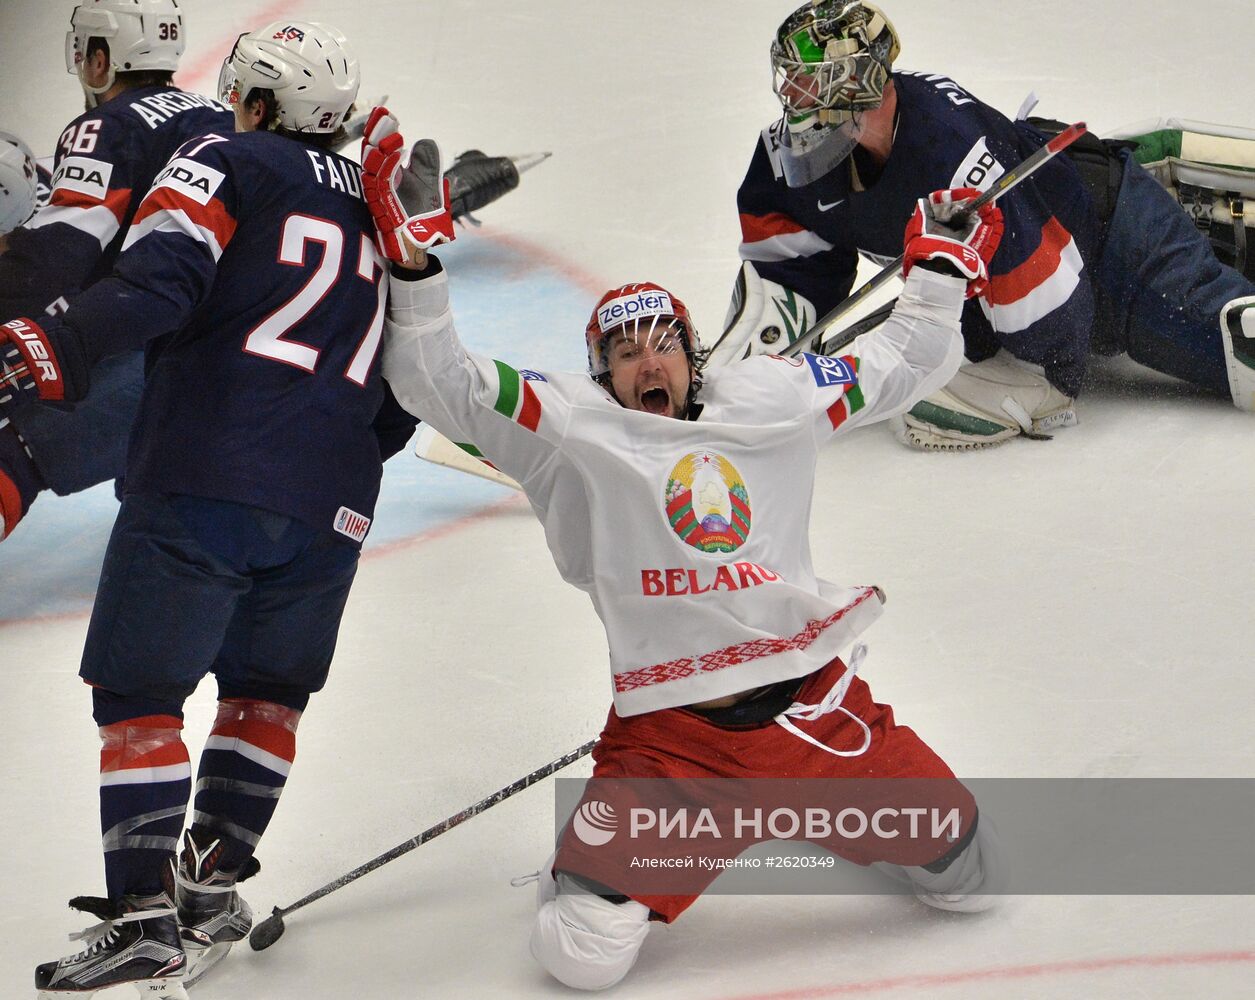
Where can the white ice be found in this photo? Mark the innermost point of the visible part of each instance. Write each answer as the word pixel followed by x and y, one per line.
pixel 1071 608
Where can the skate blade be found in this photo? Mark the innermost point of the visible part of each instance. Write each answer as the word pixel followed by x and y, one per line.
pixel 149 989
pixel 201 960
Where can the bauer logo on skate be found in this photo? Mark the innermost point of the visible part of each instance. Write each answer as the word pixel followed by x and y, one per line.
pixel 707 504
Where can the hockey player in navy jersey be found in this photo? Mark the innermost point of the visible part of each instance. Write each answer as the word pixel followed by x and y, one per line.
pixel 1101 262
pixel 250 274
pixel 124 53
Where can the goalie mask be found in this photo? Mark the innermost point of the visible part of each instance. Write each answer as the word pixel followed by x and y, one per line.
pixel 830 62
pixel 19 182
pixel 308 67
pixel 141 35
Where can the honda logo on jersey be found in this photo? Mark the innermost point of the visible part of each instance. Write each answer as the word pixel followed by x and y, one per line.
pixel 83 175
pixel 191 179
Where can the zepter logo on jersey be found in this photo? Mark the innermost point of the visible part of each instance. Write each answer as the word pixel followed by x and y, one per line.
pixel 706 503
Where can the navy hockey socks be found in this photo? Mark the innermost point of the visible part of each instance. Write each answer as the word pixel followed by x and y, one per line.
pixel 145 780
pixel 242 773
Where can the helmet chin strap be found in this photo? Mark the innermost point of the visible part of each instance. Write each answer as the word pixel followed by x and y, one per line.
pixel 93 94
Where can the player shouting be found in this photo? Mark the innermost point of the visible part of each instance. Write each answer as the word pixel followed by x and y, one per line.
pixel 676 497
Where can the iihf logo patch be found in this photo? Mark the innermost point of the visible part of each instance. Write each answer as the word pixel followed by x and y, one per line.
pixel 351 523
pixel 289 34
pixel 830 371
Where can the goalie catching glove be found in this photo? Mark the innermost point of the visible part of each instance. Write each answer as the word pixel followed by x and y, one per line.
pixel 944 228
pixel 408 200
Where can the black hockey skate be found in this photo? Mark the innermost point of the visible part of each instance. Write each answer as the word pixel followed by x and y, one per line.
pixel 212 916
pixel 476 180
pixel 137 943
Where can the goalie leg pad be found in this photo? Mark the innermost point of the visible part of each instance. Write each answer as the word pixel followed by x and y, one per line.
pixel 986 403
pixel 582 940
pixel 1237 332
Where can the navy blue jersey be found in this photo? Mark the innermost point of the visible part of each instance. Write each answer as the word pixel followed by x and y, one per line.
pixel 105 162
pixel 253 260
pixel 1040 303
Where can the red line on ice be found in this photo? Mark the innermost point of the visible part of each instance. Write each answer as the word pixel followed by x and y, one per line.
pixel 873 986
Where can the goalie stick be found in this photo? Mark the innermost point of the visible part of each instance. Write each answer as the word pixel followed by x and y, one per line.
pixel 271 929
pixel 1014 175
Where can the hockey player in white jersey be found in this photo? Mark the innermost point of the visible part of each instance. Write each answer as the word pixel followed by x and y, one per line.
pixel 678 499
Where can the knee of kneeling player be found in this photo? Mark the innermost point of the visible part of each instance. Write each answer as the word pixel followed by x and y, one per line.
pixel 587 942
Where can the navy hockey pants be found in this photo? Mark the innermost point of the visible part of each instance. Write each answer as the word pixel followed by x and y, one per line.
pixel 192 586
pixel 1161 287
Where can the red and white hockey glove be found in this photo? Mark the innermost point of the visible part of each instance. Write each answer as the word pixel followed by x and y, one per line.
pixel 941 229
pixel 408 197
pixel 29 365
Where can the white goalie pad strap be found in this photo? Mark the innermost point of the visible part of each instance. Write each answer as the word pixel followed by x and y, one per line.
pixel 586 942
pixel 1237 329
pixel 763 318
pixel 1219 158
pixel 986 403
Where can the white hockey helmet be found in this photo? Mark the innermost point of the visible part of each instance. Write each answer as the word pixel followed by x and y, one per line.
pixel 18 182
pixel 142 35
pixel 309 68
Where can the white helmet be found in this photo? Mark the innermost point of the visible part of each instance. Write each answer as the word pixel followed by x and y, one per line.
pixel 142 35
pixel 309 67
pixel 18 182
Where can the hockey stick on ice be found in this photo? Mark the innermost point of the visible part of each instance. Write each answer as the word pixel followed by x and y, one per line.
pixel 271 929
pixel 1003 184
pixel 434 447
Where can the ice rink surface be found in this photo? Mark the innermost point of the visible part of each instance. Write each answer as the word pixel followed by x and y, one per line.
pixel 1062 609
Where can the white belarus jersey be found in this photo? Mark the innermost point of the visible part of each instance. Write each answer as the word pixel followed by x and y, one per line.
pixel 690 536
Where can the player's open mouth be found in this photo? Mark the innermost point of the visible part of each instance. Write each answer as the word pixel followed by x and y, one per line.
pixel 656 400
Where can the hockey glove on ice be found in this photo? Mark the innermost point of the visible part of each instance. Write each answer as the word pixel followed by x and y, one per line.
pixel 409 200
pixel 942 229
pixel 32 368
